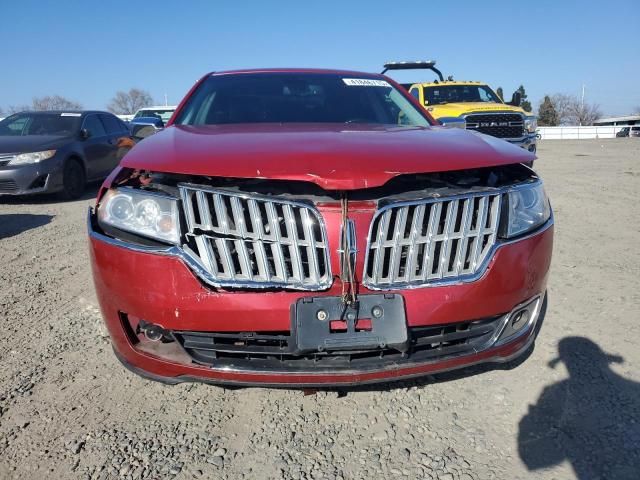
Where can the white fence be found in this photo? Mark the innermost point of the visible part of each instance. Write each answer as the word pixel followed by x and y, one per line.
pixel 579 133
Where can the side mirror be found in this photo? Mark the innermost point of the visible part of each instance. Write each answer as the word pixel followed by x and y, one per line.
pixel 84 134
pixel 453 122
pixel 516 99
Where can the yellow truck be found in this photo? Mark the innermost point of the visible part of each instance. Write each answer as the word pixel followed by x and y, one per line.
pixel 471 105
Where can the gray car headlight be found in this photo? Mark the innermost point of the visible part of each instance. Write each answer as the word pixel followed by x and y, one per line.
pixel 33 157
pixel 148 214
pixel 530 124
pixel 528 209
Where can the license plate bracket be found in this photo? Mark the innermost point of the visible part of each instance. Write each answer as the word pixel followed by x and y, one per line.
pixel 325 324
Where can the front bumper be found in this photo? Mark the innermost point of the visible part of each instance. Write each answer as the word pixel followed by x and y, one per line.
pixel 528 142
pixel 134 285
pixel 45 176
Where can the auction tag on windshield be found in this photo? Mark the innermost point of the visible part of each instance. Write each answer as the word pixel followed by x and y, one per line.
pixel 365 82
pixel 70 114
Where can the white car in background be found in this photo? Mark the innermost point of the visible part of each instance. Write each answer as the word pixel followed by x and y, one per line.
pixel 162 112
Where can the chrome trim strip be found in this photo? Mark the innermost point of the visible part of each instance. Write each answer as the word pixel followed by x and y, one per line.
pixel 494 112
pixel 348 255
pixel 539 299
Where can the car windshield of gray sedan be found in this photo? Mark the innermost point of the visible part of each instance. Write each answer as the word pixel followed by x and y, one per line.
pixel 24 124
pixel 298 98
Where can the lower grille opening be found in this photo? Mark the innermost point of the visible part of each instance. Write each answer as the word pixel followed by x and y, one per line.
pixel 8 186
pixel 276 350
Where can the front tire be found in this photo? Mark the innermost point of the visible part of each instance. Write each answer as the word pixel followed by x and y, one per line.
pixel 74 180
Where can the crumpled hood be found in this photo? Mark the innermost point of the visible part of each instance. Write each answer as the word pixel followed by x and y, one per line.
pixel 30 143
pixel 335 157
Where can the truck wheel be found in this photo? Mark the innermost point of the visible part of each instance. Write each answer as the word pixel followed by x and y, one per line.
pixel 74 180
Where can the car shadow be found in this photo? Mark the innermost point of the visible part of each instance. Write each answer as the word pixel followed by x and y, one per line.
pixel 591 419
pixel 16 223
pixel 49 198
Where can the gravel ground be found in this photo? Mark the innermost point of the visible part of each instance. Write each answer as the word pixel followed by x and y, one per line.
pixel 68 409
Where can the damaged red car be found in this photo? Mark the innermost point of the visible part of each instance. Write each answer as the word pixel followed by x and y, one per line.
pixel 314 227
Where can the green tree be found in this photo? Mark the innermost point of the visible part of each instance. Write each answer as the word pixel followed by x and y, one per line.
pixel 547 115
pixel 500 93
pixel 525 104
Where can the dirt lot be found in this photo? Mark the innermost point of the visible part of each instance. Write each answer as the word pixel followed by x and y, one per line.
pixel 68 409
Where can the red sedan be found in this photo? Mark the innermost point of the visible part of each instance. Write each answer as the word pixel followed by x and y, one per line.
pixel 313 227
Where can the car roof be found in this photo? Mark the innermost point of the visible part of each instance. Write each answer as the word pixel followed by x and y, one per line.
pixel 59 112
pixel 295 70
pixel 159 107
pixel 451 82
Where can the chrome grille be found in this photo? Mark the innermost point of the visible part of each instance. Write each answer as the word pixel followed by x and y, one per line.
pixel 431 241
pixel 256 241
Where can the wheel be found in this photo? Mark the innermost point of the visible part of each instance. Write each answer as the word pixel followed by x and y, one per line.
pixel 73 180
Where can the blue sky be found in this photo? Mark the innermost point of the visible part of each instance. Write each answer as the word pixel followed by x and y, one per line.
pixel 87 50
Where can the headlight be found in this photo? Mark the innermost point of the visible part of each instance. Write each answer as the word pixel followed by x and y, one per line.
pixel 144 213
pixel 528 209
pixel 530 124
pixel 453 122
pixel 33 157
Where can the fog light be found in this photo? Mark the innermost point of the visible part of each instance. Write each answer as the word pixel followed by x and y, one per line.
pixel 151 331
pixel 322 315
pixel 519 320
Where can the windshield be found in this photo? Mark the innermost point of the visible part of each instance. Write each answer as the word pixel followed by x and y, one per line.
pixel 24 124
pixel 164 113
pixel 440 94
pixel 298 98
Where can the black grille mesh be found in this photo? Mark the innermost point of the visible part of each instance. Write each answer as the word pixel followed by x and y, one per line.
pixel 276 350
pixel 501 125
pixel 8 186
